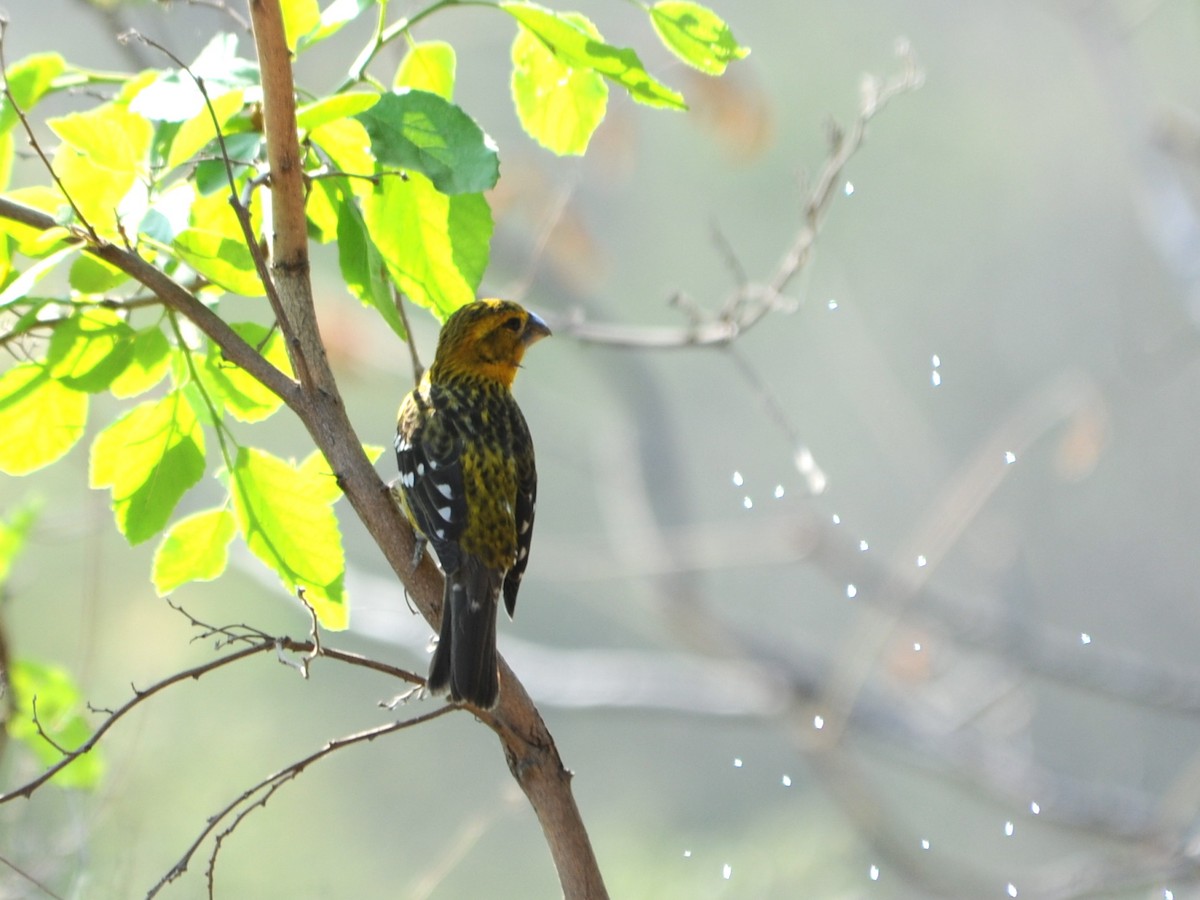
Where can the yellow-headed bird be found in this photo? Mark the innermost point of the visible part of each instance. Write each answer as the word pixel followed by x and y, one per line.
pixel 469 484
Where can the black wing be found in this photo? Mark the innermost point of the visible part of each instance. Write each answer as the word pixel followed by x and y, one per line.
pixel 429 454
pixel 525 508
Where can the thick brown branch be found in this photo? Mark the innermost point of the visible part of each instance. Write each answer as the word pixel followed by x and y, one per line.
pixel 528 746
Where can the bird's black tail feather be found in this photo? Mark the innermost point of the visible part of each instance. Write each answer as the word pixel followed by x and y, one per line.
pixel 464 661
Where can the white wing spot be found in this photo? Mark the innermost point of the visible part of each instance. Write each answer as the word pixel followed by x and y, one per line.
pixel 444 512
pixel 525 526
pixel 407 479
pixel 445 490
pixel 420 470
pixel 439 533
pixel 522 553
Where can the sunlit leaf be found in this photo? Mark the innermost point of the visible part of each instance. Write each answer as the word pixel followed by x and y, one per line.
pixel 174 97
pixel 223 260
pixel 333 17
pixel 149 457
pixel 578 48
pixel 345 141
pixel 362 264
pixel 110 135
pixel 287 521
pixel 435 246
pixel 242 395
pixel 697 35
pixel 91 275
pixel 299 18
pixel 40 419
pixel 21 286
pixel 151 358
pixel 96 190
pixel 428 66
pixel 314 469
pixel 417 130
pixel 195 548
pixel 28 80
pixel 197 131
pixel 330 109
pixel 560 107
pixel 90 349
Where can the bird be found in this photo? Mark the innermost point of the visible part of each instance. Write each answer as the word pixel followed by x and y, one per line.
pixel 468 485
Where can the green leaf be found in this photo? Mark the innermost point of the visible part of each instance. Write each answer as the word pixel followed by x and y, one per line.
pixel 28 80
pixel 420 131
pixel 333 17
pixel 559 107
pixel 110 136
pixel 299 18
pixel 331 109
pixel 362 265
pixel 314 468
pixel 40 419
pixel 6 158
pixel 174 97
pixel 321 207
pixel 96 190
pixel 92 275
pixel 23 284
pixel 242 395
pixel 697 35
pixel 435 246
pixel 580 48
pixel 196 548
pixel 150 457
pixel 13 534
pixel 59 707
pixel 287 522
pixel 428 66
pixel 223 260
pixel 197 131
pixel 150 361
pixel 241 147
pixel 345 141
pixel 90 349
pixel 36 242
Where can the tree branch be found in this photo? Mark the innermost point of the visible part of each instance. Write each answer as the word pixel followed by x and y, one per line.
pixel 528 746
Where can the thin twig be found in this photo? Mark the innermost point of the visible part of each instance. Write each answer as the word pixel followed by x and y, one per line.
pixel 751 301
pixel 267 787
pixel 418 369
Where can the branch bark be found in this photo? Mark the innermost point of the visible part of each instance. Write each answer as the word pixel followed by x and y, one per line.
pixel 528 746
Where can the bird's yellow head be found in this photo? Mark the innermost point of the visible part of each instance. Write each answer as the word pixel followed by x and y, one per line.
pixel 486 339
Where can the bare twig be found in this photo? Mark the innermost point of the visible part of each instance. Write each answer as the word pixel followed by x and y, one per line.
pixel 751 301
pixel 255 645
pixel 40 885
pixel 418 369
pixel 262 792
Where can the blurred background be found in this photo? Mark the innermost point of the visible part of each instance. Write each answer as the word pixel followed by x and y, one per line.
pixel 894 596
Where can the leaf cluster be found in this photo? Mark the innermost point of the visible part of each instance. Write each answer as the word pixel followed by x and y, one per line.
pixel 171 166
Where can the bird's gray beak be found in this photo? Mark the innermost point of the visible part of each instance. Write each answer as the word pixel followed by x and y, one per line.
pixel 535 330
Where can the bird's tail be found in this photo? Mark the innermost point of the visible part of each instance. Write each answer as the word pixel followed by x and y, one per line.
pixel 464 661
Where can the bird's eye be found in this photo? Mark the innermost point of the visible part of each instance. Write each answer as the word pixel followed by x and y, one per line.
pixel 513 323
